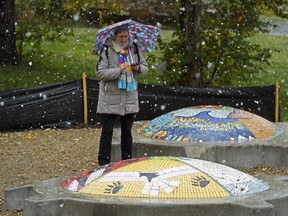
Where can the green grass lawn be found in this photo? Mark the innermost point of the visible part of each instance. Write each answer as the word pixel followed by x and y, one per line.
pixel 60 62
pixel 67 61
pixel 277 70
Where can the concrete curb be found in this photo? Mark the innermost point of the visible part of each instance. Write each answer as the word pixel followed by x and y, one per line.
pixel 48 198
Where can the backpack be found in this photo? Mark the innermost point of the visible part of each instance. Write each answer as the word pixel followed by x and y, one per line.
pixel 107 54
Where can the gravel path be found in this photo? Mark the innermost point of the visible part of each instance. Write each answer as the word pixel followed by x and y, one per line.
pixel 31 156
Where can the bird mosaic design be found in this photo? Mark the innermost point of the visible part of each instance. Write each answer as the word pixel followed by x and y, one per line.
pixel 165 177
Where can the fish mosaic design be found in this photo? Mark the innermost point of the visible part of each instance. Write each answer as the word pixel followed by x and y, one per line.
pixel 208 124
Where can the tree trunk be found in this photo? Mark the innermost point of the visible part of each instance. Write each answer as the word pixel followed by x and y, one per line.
pixel 193 11
pixel 8 51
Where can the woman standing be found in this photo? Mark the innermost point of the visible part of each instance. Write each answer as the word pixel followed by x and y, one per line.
pixel 119 63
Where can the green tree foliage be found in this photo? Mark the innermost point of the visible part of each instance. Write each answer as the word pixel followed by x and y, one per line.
pixel 50 20
pixel 225 50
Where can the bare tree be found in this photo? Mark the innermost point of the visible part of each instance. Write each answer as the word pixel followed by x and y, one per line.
pixel 8 51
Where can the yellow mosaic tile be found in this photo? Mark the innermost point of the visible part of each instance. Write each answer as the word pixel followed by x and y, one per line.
pixel 169 179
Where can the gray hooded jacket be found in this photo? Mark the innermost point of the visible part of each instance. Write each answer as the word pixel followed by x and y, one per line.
pixel 113 100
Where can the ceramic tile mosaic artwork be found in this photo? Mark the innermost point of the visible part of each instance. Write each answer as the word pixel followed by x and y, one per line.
pixel 165 177
pixel 208 124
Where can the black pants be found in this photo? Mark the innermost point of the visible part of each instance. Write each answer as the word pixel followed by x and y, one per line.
pixel 105 146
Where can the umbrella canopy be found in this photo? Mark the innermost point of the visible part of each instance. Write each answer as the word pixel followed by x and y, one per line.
pixel 145 36
pixel 208 124
pixel 165 177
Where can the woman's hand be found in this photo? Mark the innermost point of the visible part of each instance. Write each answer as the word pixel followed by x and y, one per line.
pixel 124 66
pixel 135 67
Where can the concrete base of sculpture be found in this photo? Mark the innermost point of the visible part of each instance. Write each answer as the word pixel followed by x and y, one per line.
pixel 272 151
pixel 47 198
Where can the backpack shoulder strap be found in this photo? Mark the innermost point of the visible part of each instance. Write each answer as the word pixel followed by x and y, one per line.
pixel 105 48
pixel 136 51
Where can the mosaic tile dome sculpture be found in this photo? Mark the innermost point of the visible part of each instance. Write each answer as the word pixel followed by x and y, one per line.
pixel 165 177
pixel 208 124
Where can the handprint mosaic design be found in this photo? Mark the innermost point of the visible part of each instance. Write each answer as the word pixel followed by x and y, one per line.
pixel 113 188
pixel 200 182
